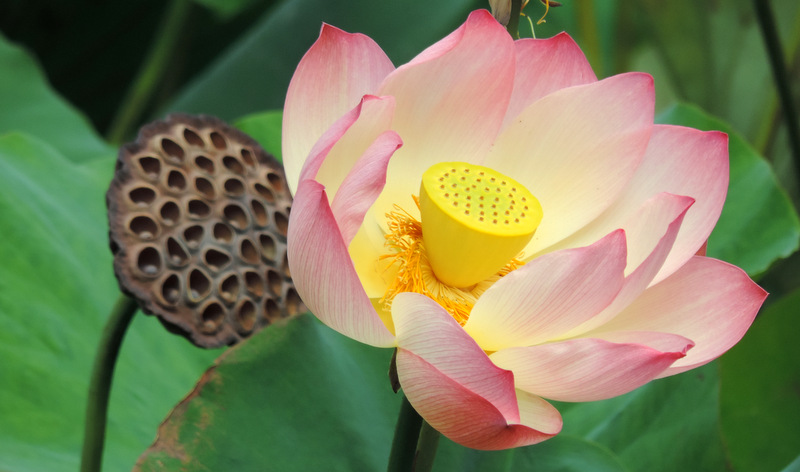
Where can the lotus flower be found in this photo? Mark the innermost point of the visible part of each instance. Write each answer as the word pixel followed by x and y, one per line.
pixel 516 228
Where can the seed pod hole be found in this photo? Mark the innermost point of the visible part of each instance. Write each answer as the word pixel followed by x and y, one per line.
pixel 259 213
pixel 267 247
pixel 229 288
pixel 223 233
pixel 285 267
pixel 212 317
pixel 275 282
pixel 177 255
pixel 271 309
pixel 236 216
pixel 193 235
pixel 171 289
pixel 218 140
pixel 193 138
pixel 205 188
pixel 198 209
pixel 204 163
pixel 216 260
pixel 173 150
pixel 233 165
pixel 144 227
pixel 246 315
pixel 151 167
pixel 294 304
pixel 281 222
pixel 248 251
pixel 234 187
pixel 247 157
pixel 170 212
pixel 176 181
pixel 275 181
pixel 149 261
pixel 254 283
pixel 142 196
pixel 265 193
pixel 199 285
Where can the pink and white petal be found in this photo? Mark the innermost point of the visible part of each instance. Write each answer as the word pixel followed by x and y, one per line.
pixel 454 386
pixel 549 296
pixel 323 272
pixel 644 229
pixel 545 66
pixel 682 161
pixel 690 162
pixel 363 184
pixel 337 151
pixel 586 369
pixel 576 150
pixel 708 301
pixel 451 100
pixel 331 78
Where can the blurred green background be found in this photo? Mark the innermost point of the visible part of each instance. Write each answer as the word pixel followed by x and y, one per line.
pixel 298 396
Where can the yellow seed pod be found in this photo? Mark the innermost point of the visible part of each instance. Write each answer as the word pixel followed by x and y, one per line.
pixel 474 220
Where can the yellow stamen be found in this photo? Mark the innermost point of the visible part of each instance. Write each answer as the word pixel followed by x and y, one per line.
pixel 414 273
pixel 475 220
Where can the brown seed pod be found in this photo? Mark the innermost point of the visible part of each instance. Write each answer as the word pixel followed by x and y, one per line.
pixel 198 216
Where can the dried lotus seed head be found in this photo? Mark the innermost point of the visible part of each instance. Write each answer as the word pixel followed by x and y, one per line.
pixel 198 214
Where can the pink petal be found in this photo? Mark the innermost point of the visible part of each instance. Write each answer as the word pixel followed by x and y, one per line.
pixel 651 231
pixel 576 149
pixel 451 100
pixel 581 370
pixel 331 78
pixel 686 161
pixel 363 184
pixel 708 301
pixel 549 295
pixel 454 386
pixel 681 161
pixel 543 67
pixel 337 151
pixel 323 272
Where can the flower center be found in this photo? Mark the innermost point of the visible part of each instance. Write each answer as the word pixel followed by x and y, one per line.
pixel 473 217
pixel 474 221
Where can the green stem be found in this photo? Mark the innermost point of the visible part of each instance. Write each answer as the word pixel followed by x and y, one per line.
pixel 406 437
pixel 150 73
pixel 766 22
pixel 426 448
pixel 100 386
pixel 513 21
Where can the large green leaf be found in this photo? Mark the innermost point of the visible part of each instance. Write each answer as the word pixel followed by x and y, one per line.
pixel 27 103
pixel 297 396
pixel 760 402
pixel 56 289
pixel 758 224
pixel 669 424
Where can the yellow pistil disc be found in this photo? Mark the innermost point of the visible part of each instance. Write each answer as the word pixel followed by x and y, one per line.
pixel 474 221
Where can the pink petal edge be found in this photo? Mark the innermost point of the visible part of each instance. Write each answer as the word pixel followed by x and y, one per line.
pixel 330 79
pixel 323 272
pixel 586 369
pixel 549 295
pixel 711 302
pixel 543 67
pixel 363 184
pixel 454 386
